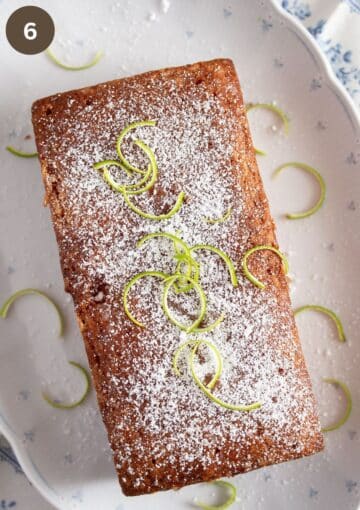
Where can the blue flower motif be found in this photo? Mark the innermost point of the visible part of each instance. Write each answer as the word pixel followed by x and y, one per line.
pixel 68 458
pixel 278 62
pixel 351 159
pixel 317 29
pixel 352 433
pixel 341 61
pixel 227 13
pixel 29 436
pixel 313 492
pixel 189 34
pixel 266 25
pixel 315 84
pixel 350 485
pixel 299 9
pixel 347 56
pixel 7 504
pixel 24 394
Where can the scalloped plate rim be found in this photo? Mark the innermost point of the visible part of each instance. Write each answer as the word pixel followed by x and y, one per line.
pixel 20 451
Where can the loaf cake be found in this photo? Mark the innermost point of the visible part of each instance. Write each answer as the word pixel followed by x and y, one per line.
pixel 165 431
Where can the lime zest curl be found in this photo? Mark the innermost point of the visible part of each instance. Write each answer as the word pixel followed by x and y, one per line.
pixel 60 405
pixel 164 302
pixel 320 180
pixel 221 219
pixel 211 396
pixel 132 282
pixel 192 270
pixel 328 312
pixel 184 281
pixel 68 67
pixel 24 292
pixel 198 342
pixel 20 154
pixel 247 254
pixel 100 165
pixel 137 188
pixel 231 499
pixel 348 409
pixel 121 137
pixel 167 235
pixel 219 366
pixel 259 152
pixel 210 327
pixel 149 176
pixel 222 255
pixel 149 216
pixel 275 109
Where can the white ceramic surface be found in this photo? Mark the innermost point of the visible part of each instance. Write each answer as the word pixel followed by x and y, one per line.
pixel 65 454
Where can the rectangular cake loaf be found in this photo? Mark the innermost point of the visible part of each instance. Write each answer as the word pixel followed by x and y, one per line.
pixel 165 430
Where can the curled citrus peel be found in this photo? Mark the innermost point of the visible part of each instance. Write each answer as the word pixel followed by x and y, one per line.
pixel 72 405
pixel 24 292
pixel 348 409
pixel 309 169
pixel 247 254
pixel 69 67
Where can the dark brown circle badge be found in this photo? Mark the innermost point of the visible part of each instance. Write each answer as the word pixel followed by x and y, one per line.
pixel 30 30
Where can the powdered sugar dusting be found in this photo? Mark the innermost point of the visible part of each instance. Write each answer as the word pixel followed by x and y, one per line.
pixel 179 435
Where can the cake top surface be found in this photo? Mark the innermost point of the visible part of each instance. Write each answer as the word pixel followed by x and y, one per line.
pixel 202 147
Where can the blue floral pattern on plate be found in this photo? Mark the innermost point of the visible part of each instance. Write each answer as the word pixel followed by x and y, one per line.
pixel 340 57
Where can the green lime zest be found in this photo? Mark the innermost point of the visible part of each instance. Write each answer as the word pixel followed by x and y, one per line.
pixel 230 501
pixel 211 396
pixel 182 257
pixel 164 302
pixel 121 137
pixel 143 181
pixel 137 188
pixel 192 271
pixel 149 176
pixel 249 275
pixel 210 327
pixel 149 216
pixel 58 62
pixel 128 287
pixel 326 311
pixel 198 342
pixel 153 169
pixel 273 108
pixel 320 180
pixel 24 292
pixel 100 165
pixel 60 405
pixel 348 409
pixel 21 154
pixel 222 255
pixel 221 219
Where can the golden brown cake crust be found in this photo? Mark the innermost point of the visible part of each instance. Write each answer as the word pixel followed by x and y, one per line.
pixel 164 432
